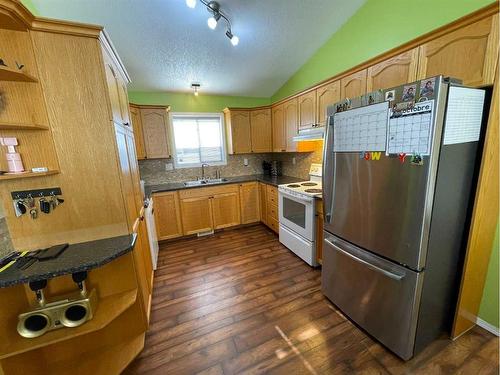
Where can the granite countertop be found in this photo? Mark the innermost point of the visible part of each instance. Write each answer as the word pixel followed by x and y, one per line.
pixel 270 180
pixel 76 258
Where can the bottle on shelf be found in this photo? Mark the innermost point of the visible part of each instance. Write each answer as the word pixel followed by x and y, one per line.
pixel 14 162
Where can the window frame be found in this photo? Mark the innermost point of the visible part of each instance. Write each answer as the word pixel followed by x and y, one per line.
pixel 198 114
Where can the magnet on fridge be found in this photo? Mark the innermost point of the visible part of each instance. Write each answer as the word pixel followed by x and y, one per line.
pixel 402 157
pixel 367 156
pixel 417 159
pixel 362 154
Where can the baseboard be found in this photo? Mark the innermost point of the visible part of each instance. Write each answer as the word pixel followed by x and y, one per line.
pixel 487 326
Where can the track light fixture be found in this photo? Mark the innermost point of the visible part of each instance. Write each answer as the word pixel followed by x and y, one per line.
pixel 195 87
pixel 213 8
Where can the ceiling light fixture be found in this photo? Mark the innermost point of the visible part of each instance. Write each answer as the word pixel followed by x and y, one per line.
pixel 195 87
pixel 213 8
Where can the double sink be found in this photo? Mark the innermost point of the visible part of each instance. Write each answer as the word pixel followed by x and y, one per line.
pixel 207 181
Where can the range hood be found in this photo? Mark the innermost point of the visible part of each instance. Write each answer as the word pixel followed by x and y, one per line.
pixel 317 132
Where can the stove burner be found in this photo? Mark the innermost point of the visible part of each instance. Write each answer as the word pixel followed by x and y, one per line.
pixel 313 190
pixel 309 184
pixel 293 186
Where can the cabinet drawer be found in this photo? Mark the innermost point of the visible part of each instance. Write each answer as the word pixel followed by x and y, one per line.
pixel 272 194
pixel 273 224
pixel 208 191
pixel 272 210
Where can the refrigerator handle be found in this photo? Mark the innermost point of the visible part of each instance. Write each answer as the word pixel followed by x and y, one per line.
pixel 328 172
pixel 366 263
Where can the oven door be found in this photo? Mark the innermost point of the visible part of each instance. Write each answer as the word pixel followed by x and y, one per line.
pixel 297 214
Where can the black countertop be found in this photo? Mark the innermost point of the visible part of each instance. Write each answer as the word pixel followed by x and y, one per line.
pixel 270 180
pixel 76 258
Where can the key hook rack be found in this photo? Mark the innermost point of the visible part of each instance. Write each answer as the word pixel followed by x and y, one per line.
pixel 38 193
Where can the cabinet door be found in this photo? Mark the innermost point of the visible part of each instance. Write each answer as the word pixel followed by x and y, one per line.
pixel 142 233
pixel 353 85
pixel 469 53
pixel 260 125
pixel 141 270
pixel 263 202
pixel 393 72
pixel 307 110
pixel 279 132
pixel 134 169
pixel 196 215
pixel 240 134
pixel 114 91
pixel 290 112
pixel 225 210
pixel 249 202
pixel 155 129
pixel 167 215
pixel 135 115
pixel 123 98
pixel 325 96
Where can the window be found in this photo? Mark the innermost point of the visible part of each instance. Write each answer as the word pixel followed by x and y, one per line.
pixel 198 139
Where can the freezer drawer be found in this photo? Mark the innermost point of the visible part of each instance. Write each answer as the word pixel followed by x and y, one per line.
pixel 380 296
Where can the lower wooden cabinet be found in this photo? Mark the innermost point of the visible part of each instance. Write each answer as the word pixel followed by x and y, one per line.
pixel 250 202
pixel 167 213
pixel 263 202
pixel 272 208
pixel 225 210
pixel 196 215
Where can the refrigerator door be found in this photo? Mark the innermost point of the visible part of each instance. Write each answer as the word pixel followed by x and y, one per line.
pixel 379 205
pixel 380 296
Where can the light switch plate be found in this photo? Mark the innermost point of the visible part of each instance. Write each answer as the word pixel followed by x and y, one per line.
pixel 245 162
pixel 169 167
pixel 294 161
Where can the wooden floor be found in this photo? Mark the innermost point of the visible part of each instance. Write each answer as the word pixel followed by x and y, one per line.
pixel 240 302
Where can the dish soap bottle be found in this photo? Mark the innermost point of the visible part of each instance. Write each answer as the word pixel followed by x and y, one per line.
pixel 14 161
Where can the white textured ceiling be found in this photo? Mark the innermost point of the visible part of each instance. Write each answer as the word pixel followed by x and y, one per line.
pixel 166 46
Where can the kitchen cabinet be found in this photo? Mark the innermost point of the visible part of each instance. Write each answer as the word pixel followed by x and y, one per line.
pixel 144 265
pixel 154 122
pixel 319 231
pixel 261 130
pixel 249 202
pixel 272 208
pixel 393 72
pixel 117 89
pixel 279 130
pixel 135 118
pixel 167 213
pixel 225 209
pixel 290 114
pixel 307 110
pixel 196 215
pixel 239 135
pixel 469 53
pixel 263 202
pixel 353 85
pixel 325 96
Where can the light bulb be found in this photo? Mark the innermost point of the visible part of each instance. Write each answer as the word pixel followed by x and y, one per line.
pixel 212 23
pixel 191 3
pixel 235 40
pixel 196 93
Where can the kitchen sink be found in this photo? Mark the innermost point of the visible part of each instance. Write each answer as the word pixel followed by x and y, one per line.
pixel 210 181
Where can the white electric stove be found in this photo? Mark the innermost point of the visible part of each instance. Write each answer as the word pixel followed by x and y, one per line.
pixel 297 215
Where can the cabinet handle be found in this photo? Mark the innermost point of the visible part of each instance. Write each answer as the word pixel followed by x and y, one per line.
pixel 141 218
pixel 283 150
pixel 126 124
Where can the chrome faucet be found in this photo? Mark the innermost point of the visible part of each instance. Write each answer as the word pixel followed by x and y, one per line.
pixel 203 170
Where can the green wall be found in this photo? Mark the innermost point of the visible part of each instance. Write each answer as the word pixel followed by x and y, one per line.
pixel 29 4
pixel 182 102
pixel 376 27
pixel 489 310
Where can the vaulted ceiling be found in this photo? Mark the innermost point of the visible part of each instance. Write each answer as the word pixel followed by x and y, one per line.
pixel 166 46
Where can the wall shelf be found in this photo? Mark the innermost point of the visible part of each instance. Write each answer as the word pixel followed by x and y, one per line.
pixel 108 309
pixel 14 176
pixel 16 75
pixel 20 126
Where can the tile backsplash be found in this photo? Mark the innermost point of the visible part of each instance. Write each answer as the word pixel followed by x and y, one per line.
pixel 154 171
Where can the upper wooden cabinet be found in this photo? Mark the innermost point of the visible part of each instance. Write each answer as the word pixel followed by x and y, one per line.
pixel 249 202
pixel 117 89
pixel 239 137
pixel 167 214
pixel 290 114
pixel 353 85
pixel 261 129
pixel 279 131
pixel 469 53
pixel 325 96
pixel 135 114
pixel 248 130
pixel 393 72
pixel 155 130
pixel 307 110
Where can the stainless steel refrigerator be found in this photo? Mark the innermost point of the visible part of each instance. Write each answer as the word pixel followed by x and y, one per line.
pixel 399 175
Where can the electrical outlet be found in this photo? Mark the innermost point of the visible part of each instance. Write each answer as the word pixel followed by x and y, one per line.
pixel 169 167
pixel 245 162
pixel 294 161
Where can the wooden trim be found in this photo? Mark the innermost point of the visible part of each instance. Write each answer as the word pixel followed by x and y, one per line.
pixel 20 15
pixel 151 106
pixel 228 109
pixel 110 48
pixel 468 19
